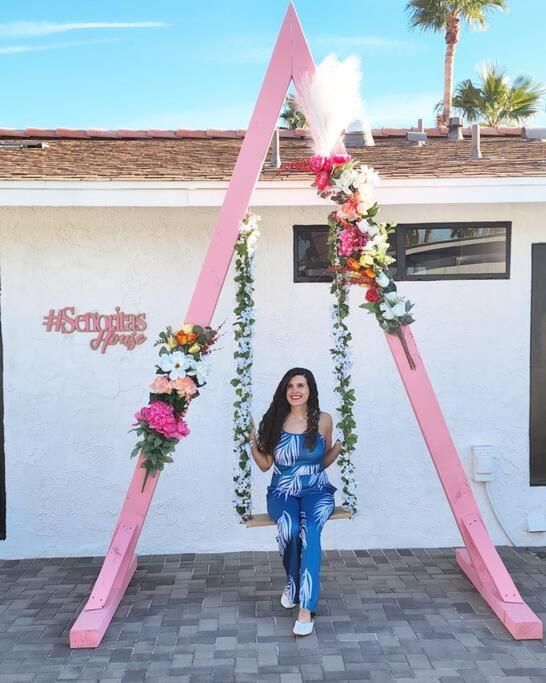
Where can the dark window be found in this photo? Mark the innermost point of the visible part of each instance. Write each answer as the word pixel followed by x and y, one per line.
pixel 537 427
pixel 452 251
pixel 2 458
pixel 423 251
pixel 311 253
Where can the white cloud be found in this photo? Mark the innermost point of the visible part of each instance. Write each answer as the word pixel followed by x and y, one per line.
pixel 17 49
pixel 14 49
pixel 29 29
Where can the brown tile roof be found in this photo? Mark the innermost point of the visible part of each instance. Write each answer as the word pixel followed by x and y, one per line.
pixel 210 155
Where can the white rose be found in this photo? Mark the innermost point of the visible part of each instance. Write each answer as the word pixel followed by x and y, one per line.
pixel 364 227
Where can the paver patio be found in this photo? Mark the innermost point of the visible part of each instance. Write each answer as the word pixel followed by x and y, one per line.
pixel 384 615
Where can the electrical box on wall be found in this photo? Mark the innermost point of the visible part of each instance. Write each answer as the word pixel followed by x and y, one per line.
pixel 536 520
pixel 482 463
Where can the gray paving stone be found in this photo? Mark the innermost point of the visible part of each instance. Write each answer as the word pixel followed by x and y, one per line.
pixel 395 614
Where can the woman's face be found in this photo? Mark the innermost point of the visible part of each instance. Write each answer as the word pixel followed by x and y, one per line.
pixel 297 390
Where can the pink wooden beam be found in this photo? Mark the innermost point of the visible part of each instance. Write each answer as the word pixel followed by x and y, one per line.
pixel 119 563
pixel 245 175
pixel 480 561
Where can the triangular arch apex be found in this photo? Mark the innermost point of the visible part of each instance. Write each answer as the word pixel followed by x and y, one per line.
pixel 291 58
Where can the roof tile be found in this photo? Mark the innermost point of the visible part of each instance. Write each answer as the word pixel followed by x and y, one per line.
pixel 211 155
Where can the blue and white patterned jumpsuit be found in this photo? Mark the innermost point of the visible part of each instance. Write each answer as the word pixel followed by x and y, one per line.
pixel 300 499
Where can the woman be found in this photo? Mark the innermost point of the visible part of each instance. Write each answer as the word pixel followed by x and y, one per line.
pixel 295 437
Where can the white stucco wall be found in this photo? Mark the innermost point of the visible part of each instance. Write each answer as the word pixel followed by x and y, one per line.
pixel 68 409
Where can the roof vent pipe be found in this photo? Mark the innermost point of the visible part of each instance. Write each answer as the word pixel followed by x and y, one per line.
pixel 476 150
pixel 358 134
pixel 415 138
pixel 455 129
pixel 275 161
pixel 534 134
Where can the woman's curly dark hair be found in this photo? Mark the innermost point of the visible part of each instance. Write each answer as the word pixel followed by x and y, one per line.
pixel 269 431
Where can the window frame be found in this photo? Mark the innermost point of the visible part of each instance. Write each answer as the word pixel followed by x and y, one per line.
pixel 3 512
pixel 399 245
pixel 306 278
pixel 537 385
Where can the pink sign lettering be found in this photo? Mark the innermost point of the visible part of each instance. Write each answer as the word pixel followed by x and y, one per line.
pixel 115 328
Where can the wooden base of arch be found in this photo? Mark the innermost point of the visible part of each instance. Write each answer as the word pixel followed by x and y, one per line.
pixel 480 561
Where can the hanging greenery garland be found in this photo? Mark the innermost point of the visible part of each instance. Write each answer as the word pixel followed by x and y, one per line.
pixel 341 355
pixel 244 358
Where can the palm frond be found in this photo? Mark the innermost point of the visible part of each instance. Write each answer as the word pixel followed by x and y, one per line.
pixel 433 15
pixel 428 15
pixel 495 100
pixel 475 13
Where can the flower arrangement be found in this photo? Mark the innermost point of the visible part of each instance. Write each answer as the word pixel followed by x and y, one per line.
pixel 361 242
pixel 244 334
pixel 182 370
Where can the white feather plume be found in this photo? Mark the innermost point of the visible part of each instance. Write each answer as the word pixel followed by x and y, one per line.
pixel 330 100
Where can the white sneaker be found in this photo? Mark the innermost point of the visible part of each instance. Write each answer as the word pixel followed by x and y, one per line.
pixel 303 628
pixel 285 602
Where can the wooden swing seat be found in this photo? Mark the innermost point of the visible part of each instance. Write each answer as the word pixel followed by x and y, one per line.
pixel 263 519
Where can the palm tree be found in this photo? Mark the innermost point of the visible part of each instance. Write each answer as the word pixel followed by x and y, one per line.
pixel 446 16
pixel 291 115
pixel 495 99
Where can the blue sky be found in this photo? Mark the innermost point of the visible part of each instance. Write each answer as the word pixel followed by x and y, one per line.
pixel 181 64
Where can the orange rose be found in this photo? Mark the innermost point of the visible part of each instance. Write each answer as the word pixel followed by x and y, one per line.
pixel 186 337
pixel 353 264
pixel 370 272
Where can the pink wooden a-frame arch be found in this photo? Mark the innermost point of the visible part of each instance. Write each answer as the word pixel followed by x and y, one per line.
pixel 479 559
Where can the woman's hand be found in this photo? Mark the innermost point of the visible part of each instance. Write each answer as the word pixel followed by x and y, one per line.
pixel 253 432
pixel 263 460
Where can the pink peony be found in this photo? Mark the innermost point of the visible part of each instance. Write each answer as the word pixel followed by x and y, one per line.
pixel 160 416
pixel 352 240
pixel 185 386
pixel 162 385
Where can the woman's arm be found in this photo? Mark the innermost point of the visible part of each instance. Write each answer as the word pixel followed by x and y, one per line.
pixel 331 452
pixel 331 455
pixel 263 460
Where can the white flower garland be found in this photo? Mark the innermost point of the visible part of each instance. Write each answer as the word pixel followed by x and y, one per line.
pixel 244 358
pixel 342 358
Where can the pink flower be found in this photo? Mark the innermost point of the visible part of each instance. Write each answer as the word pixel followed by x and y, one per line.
pixel 339 158
pixel 318 163
pixel 322 180
pixel 352 240
pixel 185 386
pixel 349 210
pixel 160 416
pixel 162 385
